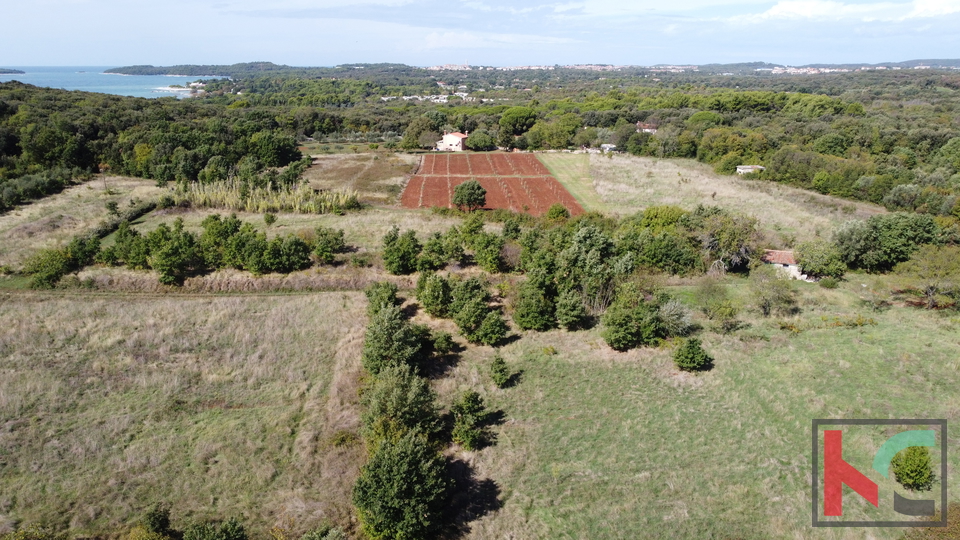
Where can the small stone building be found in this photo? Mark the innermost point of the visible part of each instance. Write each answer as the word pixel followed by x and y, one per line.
pixel 452 142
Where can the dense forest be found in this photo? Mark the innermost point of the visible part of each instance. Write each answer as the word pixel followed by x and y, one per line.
pixel 889 137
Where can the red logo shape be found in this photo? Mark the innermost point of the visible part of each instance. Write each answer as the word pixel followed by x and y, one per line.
pixel 837 472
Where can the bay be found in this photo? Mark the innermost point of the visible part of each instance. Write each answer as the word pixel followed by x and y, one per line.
pixel 93 79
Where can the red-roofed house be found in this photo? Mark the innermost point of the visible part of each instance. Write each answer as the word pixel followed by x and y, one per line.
pixel 784 261
pixel 452 142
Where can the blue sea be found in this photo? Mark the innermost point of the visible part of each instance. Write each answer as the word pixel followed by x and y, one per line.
pixel 93 79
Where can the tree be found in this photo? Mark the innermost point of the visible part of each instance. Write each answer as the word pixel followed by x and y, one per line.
pixel 390 341
pixel 571 313
pixel 771 292
pixel 328 243
pixel 499 372
pixel 397 403
pixel 492 330
pixel 469 414
pixel 517 120
pixel 557 212
pixel 533 309
pixel 379 295
pixel 470 195
pixel 821 259
pixel 935 270
pixel 481 141
pixel 912 468
pixel 690 356
pixel 400 252
pixel 878 244
pixel 401 492
pixel 486 251
pixel 434 295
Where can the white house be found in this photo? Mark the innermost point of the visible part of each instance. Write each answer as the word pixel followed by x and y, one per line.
pixel 646 128
pixel 745 169
pixel 785 262
pixel 452 142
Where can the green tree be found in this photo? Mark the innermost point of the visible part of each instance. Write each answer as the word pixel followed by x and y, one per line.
pixel 400 252
pixel 533 308
pixel 517 120
pixel 912 468
pixel 690 356
pixel 499 372
pixel 571 313
pixel 397 403
pixel 402 490
pixel 390 341
pixel 821 259
pixel 935 271
pixel 328 243
pixel 487 248
pixel 771 291
pixel 379 295
pixel 434 295
pixel 469 195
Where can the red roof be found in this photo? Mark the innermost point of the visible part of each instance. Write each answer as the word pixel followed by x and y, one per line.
pixel 458 134
pixel 774 256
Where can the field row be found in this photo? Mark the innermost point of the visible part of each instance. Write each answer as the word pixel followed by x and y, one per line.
pixel 531 194
pixel 482 165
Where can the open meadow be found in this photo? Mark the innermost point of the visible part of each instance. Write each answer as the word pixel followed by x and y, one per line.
pixel 219 405
pixel 624 184
pixel 378 178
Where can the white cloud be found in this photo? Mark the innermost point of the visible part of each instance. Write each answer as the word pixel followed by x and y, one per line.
pixel 832 10
pixel 933 8
pixel 480 40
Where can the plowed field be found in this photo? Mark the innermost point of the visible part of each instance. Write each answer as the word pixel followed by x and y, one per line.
pixel 517 182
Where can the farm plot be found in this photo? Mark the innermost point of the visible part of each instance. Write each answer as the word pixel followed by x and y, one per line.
pixel 517 182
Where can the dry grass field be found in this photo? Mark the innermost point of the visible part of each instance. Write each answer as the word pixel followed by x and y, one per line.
pixel 220 406
pixel 53 220
pixel 378 178
pixel 625 184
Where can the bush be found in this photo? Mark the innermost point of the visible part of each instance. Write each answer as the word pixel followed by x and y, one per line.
pixel 487 248
pixel 269 219
pixel 499 372
pixel 628 327
pixel 400 252
pixel 571 313
pixel 328 243
pixel 398 402
pixel 434 254
pixel 912 468
pixel 879 243
pixel 230 529
pixel 820 259
pixel 511 228
pixel 533 309
pixel 471 316
pixel 464 291
pixel 829 283
pixel 390 341
pixel 557 212
pixel 469 414
pixel 325 532
pixel 443 343
pixel 690 356
pixel 157 519
pixel 771 292
pixel 492 330
pixel 434 294
pixel 675 318
pixel 380 295
pixel 469 195
pixel 402 491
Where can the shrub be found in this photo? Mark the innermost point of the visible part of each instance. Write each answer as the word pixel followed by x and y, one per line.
pixel 402 491
pixel 829 283
pixel 390 341
pixel 499 372
pixel 511 228
pixel 571 313
pixel 157 519
pixel 434 295
pixel 879 243
pixel 820 258
pixel 470 317
pixel 443 343
pixel 628 326
pixel 269 219
pixel 487 248
pixel 325 532
pixel 690 356
pixel 492 330
pixel 434 254
pixel 328 243
pixel 533 309
pixel 231 529
pixel 49 265
pixel 472 225
pixel 464 291
pixel 675 318
pixel 469 195
pixel 771 292
pixel 469 414
pixel 380 295
pixel 557 212
pixel 400 252
pixel 398 402
pixel 912 468
pixel 33 532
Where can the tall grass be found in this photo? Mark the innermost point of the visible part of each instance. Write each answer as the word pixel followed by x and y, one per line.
pixel 239 196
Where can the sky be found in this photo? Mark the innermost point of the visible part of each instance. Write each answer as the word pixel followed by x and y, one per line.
pixel 477 32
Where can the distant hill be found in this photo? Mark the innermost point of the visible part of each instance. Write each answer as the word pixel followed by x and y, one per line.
pixel 245 68
pixel 11 72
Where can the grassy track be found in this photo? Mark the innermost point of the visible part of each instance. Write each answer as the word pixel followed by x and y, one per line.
pixel 573 171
